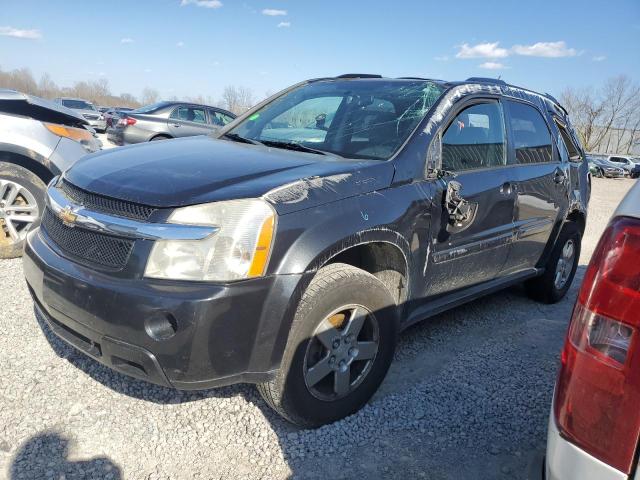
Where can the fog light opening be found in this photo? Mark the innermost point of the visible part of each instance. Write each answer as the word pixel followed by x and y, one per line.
pixel 161 327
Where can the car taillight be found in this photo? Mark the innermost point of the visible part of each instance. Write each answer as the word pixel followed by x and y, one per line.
pixel 597 399
pixel 125 121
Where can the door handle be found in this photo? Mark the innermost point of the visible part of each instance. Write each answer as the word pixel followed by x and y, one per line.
pixel 559 176
pixel 177 125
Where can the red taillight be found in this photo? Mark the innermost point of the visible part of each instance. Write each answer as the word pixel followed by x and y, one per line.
pixel 125 121
pixel 597 401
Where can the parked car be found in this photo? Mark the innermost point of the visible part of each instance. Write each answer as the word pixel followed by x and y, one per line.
pixel 113 114
pixel 630 165
pixel 253 256
pixel 165 120
pixel 595 421
pixel 600 167
pixel 86 109
pixel 38 140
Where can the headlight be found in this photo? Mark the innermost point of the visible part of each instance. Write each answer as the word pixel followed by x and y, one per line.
pixel 239 249
pixel 78 134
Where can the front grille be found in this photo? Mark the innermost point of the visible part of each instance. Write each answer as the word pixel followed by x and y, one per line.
pixel 112 206
pixel 92 247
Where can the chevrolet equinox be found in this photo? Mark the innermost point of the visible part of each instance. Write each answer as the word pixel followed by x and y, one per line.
pixel 289 248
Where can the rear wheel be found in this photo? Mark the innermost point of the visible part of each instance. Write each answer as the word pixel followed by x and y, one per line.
pixel 339 350
pixel 553 285
pixel 159 137
pixel 21 206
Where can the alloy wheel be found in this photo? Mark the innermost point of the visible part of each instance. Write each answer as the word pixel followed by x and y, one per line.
pixel 565 264
pixel 18 211
pixel 341 352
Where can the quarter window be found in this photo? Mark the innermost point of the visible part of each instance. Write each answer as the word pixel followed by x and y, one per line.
pixel 475 139
pixel 219 118
pixel 189 114
pixel 531 137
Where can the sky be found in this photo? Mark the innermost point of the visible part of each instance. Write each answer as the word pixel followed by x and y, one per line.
pixel 197 47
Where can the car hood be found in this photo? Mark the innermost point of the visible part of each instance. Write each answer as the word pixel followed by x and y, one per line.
pixel 203 169
pixel 38 108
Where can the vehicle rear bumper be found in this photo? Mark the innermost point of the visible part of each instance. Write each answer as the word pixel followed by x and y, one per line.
pixel 565 461
pixel 224 334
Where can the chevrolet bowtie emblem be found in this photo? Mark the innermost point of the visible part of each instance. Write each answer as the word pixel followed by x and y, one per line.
pixel 68 216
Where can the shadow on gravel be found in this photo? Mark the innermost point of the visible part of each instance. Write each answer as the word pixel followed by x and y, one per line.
pixel 46 456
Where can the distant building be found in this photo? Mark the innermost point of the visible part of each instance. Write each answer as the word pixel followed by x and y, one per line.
pixel 618 140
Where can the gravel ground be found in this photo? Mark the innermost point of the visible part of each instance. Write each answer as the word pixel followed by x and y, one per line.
pixel 468 396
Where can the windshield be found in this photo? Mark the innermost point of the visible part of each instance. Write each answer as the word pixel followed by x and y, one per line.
pixel 78 105
pixel 351 118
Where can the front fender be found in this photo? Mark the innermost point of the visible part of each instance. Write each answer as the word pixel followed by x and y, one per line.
pixel 308 238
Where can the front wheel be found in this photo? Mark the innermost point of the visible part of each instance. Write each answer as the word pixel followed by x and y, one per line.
pixel 339 350
pixel 561 267
pixel 21 206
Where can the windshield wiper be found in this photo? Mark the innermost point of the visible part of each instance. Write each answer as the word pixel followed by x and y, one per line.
pixel 237 138
pixel 292 146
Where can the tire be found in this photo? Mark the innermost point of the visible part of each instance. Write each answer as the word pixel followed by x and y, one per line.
pixel 599 173
pixel 546 288
pixel 27 190
pixel 334 287
pixel 159 137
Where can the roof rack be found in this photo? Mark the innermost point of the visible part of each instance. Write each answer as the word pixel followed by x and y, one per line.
pixel 359 75
pixel 486 80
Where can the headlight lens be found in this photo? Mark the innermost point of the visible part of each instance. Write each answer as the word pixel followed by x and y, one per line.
pixel 239 249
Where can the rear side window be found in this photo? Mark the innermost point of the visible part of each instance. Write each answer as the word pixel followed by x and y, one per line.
pixel 567 146
pixel 219 118
pixel 531 136
pixel 189 114
pixel 475 139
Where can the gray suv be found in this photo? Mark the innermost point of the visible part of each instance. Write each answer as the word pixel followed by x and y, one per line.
pixel 289 248
pixel 38 140
pixel 87 109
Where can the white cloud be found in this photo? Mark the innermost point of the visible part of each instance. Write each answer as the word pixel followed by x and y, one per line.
pixel 180 44
pixel 493 66
pixel 443 58
pixel 482 50
pixel 599 58
pixel 17 33
pixel 126 40
pixel 272 12
pixel 545 49
pixel 202 3
pixel 284 24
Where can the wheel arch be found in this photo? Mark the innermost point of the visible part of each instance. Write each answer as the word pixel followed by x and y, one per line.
pixel 163 135
pixel 35 166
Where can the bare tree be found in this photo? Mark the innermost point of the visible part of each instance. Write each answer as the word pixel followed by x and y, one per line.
pixel 607 119
pixel 237 99
pixel 149 96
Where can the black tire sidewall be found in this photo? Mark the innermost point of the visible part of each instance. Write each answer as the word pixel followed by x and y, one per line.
pixel 31 182
pixel 368 292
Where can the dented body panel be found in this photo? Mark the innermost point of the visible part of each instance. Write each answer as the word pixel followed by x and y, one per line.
pixel 495 229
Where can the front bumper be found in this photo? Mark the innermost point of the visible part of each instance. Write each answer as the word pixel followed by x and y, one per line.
pixel 565 461
pixel 224 334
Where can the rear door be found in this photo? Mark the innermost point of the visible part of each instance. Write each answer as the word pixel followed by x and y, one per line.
pixel 188 120
pixel 542 184
pixel 473 218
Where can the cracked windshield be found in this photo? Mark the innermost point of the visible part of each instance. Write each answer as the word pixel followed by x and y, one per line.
pixel 364 119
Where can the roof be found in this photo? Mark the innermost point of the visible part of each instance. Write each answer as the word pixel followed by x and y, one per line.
pixel 496 82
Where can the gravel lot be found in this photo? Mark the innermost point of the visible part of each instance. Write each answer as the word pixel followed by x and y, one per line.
pixel 468 396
